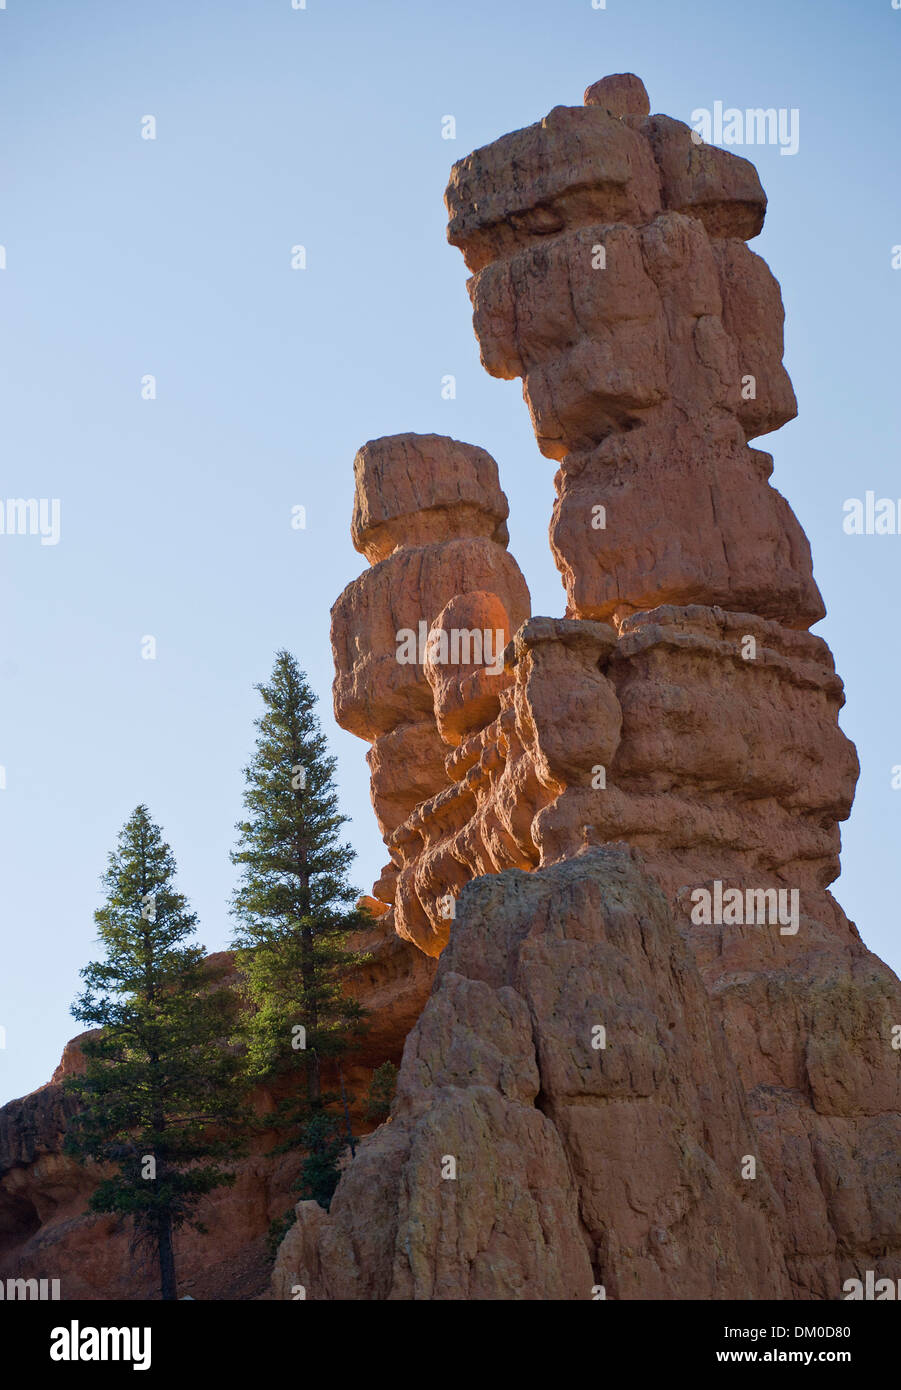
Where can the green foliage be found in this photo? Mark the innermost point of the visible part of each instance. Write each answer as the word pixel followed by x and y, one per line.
pixel 381 1092
pixel 278 1229
pixel 159 1085
pixel 293 906
pixel 320 1171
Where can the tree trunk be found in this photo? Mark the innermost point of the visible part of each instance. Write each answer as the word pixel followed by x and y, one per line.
pixel 168 1289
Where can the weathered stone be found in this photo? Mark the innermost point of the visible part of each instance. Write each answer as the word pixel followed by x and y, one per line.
pixel 464 663
pixel 578 166
pixel 377 640
pixel 721 189
pixel 574 1165
pixel 622 94
pixel 416 489
pixel 700 727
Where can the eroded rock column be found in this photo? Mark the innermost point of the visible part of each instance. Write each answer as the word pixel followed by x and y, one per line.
pixel 611 273
pixel 430 517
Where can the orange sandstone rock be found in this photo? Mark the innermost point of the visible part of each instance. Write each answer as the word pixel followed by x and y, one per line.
pixel 415 489
pixel 622 94
pixel 681 707
pixel 430 516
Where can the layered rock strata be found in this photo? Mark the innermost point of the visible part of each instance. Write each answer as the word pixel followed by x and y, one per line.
pixel 681 706
pixel 611 274
pixel 430 517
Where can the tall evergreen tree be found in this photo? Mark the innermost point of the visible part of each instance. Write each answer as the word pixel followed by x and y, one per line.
pixel 161 1084
pixel 294 903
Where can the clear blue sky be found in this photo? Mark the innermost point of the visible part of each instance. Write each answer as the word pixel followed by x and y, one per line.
pixel 322 127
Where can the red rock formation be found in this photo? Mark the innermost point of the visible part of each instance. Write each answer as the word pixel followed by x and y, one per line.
pixel 682 707
pixel 430 517
pixel 572 1166
pixel 47 1232
pixel 665 762
pixel 649 341
pixel 646 378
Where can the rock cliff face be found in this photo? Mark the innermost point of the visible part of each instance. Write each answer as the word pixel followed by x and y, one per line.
pixel 681 708
pixel 525 1161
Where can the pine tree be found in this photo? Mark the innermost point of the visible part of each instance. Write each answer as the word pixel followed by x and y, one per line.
pixel 293 904
pixel 161 1084
pixel 381 1092
pixel 320 1172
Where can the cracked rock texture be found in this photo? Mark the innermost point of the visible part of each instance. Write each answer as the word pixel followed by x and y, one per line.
pixel 573 1166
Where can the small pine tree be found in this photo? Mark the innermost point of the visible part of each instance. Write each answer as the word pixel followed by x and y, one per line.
pixel 159 1074
pixel 293 904
pixel 320 1172
pixel 381 1092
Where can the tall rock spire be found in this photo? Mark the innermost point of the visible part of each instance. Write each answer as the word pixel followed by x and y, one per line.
pixel 665 761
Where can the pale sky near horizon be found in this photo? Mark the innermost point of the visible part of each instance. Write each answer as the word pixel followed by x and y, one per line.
pixel 172 257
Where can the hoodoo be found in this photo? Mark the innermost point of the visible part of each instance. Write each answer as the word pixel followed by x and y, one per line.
pixel 654 1058
pixel 672 738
